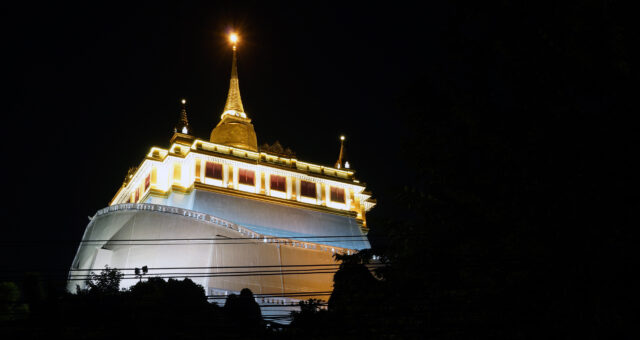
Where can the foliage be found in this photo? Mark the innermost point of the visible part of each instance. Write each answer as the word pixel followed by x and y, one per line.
pixel 11 308
pixel 310 306
pixel 154 308
pixel 312 320
pixel 107 282
pixel 243 313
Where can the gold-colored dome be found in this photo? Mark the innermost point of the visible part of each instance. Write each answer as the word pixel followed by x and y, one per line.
pixel 235 131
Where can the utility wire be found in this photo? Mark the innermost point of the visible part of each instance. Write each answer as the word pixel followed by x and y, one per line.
pixel 65 270
pixel 216 275
pixel 296 238
pixel 233 272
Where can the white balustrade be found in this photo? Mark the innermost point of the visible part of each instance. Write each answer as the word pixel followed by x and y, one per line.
pixel 220 222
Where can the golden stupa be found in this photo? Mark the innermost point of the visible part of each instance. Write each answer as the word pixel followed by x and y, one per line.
pixel 235 128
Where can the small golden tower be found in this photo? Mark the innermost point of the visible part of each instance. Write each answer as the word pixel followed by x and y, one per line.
pixel 182 131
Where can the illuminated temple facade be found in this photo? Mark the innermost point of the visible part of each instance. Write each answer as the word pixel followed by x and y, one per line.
pixel 217 210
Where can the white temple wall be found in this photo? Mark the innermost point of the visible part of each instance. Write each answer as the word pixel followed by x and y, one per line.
pixel 177 256
pixel 278 220
pixel 175 199
pixel 102 258
pixel 272 219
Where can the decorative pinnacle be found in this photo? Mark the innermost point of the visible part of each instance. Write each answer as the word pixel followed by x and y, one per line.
pixel 234 106
pixel 339 162
pixel 183 124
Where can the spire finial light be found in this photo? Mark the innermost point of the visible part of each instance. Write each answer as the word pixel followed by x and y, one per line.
pixel 233 38
pixel 234 107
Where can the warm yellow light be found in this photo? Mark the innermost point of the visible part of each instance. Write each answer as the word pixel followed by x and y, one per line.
pixel 184 101
pixel 233 37
pixel 341 137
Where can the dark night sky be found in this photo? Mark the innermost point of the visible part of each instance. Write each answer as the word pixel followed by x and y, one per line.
pixel 88 89
pixel 497 137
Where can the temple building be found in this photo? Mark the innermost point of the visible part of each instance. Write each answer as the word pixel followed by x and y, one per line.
pixel 229 215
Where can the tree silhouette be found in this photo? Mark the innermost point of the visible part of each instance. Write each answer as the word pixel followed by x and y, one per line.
pixel 107 282
pixel 244 312
pixel 11 308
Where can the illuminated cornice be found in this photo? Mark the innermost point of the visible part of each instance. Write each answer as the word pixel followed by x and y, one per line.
pixel 186 156
pixel 262 158
pixel 271 159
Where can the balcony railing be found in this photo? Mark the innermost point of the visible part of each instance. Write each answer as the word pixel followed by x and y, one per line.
pixel 225 224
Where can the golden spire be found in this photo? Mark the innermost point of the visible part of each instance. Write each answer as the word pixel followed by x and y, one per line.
pixel 234 106
pixel 235 128
pixel 339 162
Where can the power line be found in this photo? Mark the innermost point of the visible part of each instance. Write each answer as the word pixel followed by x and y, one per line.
pixel 189 275
pixel 65 270
pixel 274 294
pixel 179 243
pixel 193 275
pixel 133 276
pixel 296 238
pixel 234 267
pixel 236 272
pixel 231 238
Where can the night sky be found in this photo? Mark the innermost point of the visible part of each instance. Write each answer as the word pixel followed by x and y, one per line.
pixel 497 138
pixel 89 88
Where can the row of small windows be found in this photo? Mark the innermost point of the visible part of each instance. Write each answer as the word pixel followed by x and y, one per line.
pixel 247 177
pixel 279 183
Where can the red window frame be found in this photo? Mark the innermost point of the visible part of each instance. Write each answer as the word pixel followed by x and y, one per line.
pixel 246 176
pixel 278 183
pixel 147 182
pixel 308 189
pixel 137 195
pixel 213 170
pixel 337 195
